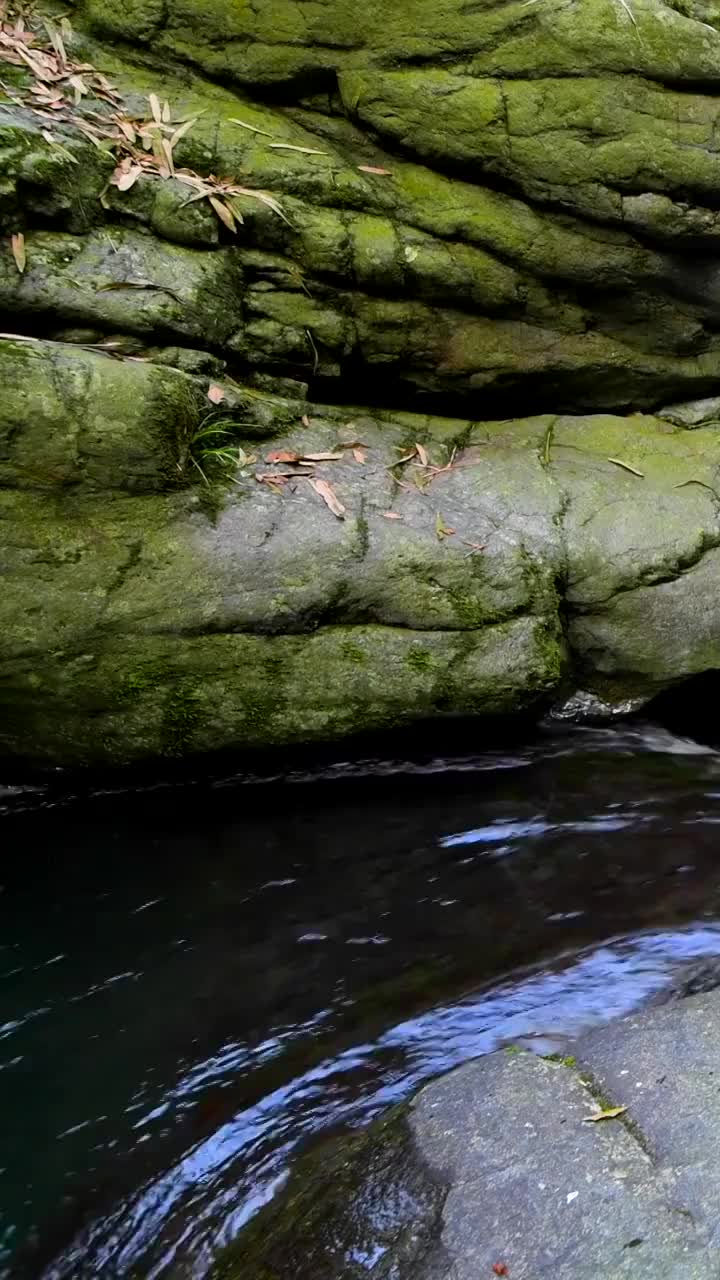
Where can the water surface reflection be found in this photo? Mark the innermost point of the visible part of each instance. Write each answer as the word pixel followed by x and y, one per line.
pixel 197 981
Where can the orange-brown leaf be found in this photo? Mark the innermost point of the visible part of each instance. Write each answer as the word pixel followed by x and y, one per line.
pixel 359 455
pixel 372 168
pixel 224 214
pixel 329 497
pixel 215 394
pixel 17 244
pixel 128 180
pixel 282 455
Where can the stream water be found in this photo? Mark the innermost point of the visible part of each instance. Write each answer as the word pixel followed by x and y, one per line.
pixel 198 980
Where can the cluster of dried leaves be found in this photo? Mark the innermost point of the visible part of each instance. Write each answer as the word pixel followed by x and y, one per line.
pixel 143 146
pixel 289 467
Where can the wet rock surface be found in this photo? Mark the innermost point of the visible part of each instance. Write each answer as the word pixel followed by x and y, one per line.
pixel 524 1180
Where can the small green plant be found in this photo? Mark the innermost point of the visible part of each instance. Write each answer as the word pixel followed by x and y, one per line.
pixel 213 452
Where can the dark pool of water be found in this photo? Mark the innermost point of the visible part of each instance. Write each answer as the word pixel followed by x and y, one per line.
pixel 198 980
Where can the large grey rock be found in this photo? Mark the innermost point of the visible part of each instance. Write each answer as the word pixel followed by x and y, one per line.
pixel 533 1186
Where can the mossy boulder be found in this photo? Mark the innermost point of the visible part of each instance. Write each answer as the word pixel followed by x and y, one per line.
pixel 496 228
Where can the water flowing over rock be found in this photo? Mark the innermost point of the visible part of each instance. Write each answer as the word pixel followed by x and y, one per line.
pixel 495 227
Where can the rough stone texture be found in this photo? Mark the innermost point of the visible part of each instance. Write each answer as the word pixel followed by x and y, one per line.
pixel 539 242
pixel 169 627
pixel 532 1185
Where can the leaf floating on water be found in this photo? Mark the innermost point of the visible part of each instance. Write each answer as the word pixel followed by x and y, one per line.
pixel 329 497
pixel 17 244
pixel 610 1113
pixel 441 529
pixel 372 168
pixel 627 467
pixel 215 394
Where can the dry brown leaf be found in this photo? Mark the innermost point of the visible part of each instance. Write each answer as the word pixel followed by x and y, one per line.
pixel 329 497
pixel 215 394
pixel 155 108
pixel 305 420
pixel 166 112
pixel 626 467
pixel 321 457
pixel 372 168
pixel 79 88
pixel 359 455
pixel 391 515
pixel 17 244
pixel 224 214
pixel 288 146
pixel 282 455
pixel 127 130
pixel 421 452
pixel 251 127
pixel 128 180
pixel 610 1113
pixel 182 129
pixel 167 152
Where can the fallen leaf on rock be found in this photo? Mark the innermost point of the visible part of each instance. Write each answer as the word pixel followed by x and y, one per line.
pixel 391 515
pixel 289 146
pixel 626 467
pixel 224 214
pixel 610 1113
pixel 500 1269
pixel 282 455
pixel 125 181
pixel 405 458
pixel 372 168
pixel 329 497
pixel 244 125
pixel 215 394
pixel 442 530
pixel 359 455
pixel 305 420
pixel 422 454
pixel 475 547
pixel 322 457
pixel 17 244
